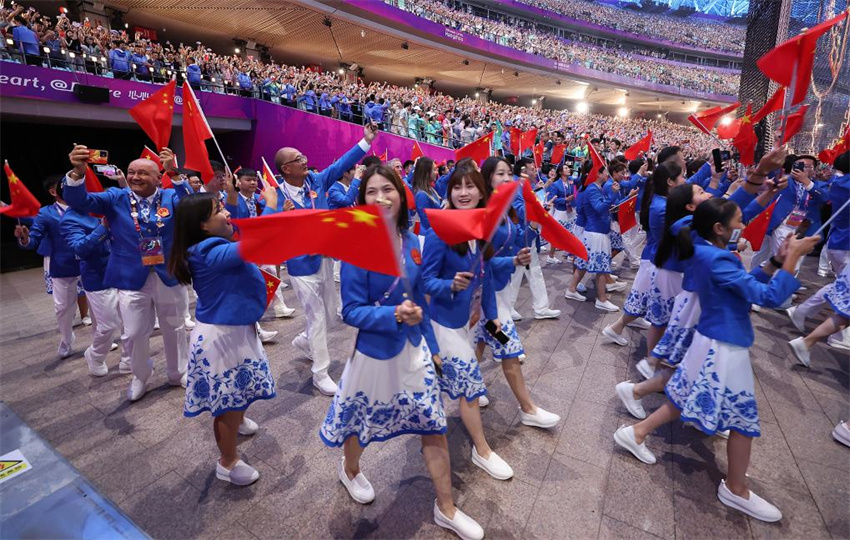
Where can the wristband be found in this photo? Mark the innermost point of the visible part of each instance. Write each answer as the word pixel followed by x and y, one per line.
pixel 775 263
pixel 753 183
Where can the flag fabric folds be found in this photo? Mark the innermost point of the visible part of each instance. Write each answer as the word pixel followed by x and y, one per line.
pixel 640 147
pixel 626 214
pixel 746 141
pixel 417 152
pixel 456 226
pixel 93 184
pixel 558 152
pixel 756 229
pixel 550 229
pixel 147 153
pixel 196 131
pixel 272 283
pixel 793 123
pixel 478 150
pixel 597 163
pixel 774 103
pixel 155 114
pixel 267 175
pixel 23 203
pixel 526 140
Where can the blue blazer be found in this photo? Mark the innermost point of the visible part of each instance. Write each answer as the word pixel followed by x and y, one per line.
pixel 581 213
pixel 319 183
pixel 240 211
pixel 657 211
pixel 507 241
pixel 379 335
pixel 726 292
pixel 45 227
pixel 440 263
pixel 788 200
pixel 125 269
pixel 597 208
pixel 558 192
pixel 339 197
pixel 839 192
pixel 425 200
pixel 89 238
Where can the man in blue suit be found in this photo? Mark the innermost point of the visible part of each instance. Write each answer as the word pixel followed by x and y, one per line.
pixel 312 275
pixel 141 223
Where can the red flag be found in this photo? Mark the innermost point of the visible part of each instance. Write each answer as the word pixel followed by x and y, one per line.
pixel 155 114
pixel 267 175
pixel 757 227
pixel 745 141
pixel 417 151
pixel 147 153
pixel 558 153
pixel 773 104
pixel 793 123
pixel 478 150
pixel 698 123
pixel 796 57
pixel 516 134
pixel 196 130
pixel 710 117
pixel 23 203
pixel 843 145
pixel 550 229
pixel 93 184
pixel 597 163
pixel 538 154
pixel 360 236
pixel 626 214
pixel 730 130
pixel 526 140
pixel 640 147
pixel 384 156
pixel 272 283
pixel 456 226
pixel 411 200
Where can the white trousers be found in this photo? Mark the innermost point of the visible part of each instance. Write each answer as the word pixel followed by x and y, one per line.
pixel 317 295
pixel 107 325
pixel 632 240
pixel 137 310
pixel 183 291
pixel 277 301
pixel 65 306
pixel 539 296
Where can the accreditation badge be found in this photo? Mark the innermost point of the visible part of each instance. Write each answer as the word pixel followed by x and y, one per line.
pixel 151 250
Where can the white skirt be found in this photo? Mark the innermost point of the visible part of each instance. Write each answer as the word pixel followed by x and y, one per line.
pixel 639 294
pixel 461 373
pixel 227 371
pixel 616 237
pixel 838 295
pixel 381 399
pixel 714 388
pixel 567 218
pixel 598 247
pixel 513 348
pixel 663 288
pixel 677 338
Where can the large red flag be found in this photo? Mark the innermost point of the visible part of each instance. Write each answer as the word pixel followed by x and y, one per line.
pixel 794 123
pixel 456 226
pixel 730 130
pixel 526 140
pixel 516 134
pixel 538 154
pixel 155 114
pixel 550 229
pixel 698 123
pixel 23 203
pixel 417 151
pixel 272 283
pixel 558 152
pixel 93 184
pixel 626 214
pixel 843 145
pixel 267 175
pixel 773 104
pixel 360 236
pixel 478 150
pixel 147 153
pixel 746 141
pixel 757 227
pixel 598 162
pixel 640 147
pixel 710 117
pixel 196 131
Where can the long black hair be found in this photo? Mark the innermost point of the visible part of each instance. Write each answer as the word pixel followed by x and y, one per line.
pixel 422 175
pixel 190 213
pixel 487 170
pixel 403 219
pixel 477 179
pixel 657 185
pixel 715 210
pixel 677 201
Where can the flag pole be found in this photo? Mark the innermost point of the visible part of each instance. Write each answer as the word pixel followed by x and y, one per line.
pixel 832 217
pixel 789 97
pixel 712 135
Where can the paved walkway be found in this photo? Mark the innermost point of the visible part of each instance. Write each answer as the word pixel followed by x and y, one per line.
pixel 570 482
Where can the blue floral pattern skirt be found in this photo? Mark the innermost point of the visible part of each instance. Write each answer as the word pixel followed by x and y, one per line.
pixel 598 247
pixel 381 399
pixel 227 371
pixel 677 338
pixel 715 389
pixel 664 285
pixel 461 373
pixel 638 297
pixel 616 237
pixel 838 295
pixel 513 348
pixel 567 218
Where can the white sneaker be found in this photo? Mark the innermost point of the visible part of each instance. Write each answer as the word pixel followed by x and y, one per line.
pixel 266 335
pixel 284 285
pixel 645 369
pixel 303 344
pixel 641 323
pixel 65 352
pixel 358 487
pixel 548 314
pixel 570 295
pixel 581 287
pixel 724 434
pixel 841 433
pixel 494 465
pixel 241 474
pixel 483 401
pixel 248 427
pixel 798 347
pixel 606 306
pixel 462 525
pixel 821 273
pixel 755 308
pixel 325 384
pixel 156 323
pixel 542 418
pixel 798 322
pixel 189 323
pixel 113 347
pixel 283 312
pixel 87 321
pixel 124 368
pixel 837 343
pixel 544 248
pixel 610 336
pixel 515 315
pixel 97 370
pixel 625 391
pixel 553 260
pixel 137 389
pixel 182 381
pixel 616 287
pixel 625 438
pixel 755 506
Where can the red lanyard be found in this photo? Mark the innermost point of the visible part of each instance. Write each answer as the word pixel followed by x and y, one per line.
pixel 134 212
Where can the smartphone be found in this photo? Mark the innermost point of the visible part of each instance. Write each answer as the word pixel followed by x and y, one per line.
pixel 496 332
pixel 718 159
pixel 799 166
pixel 99 157
pixel 803 228
pixel 107 170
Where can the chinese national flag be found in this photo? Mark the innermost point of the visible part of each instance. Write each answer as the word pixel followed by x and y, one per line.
pixel 538 154
pixel 155 115
pixel 384 156
pixel 843 145
pixel 456 226
pixel 693 120
pixel 516 134
pixel 147 153
pixel 597 163
pixel 267 175
pixel 710 117
pixel 793 123
pixel 478 150
pixel 773 104
pixel 417 151
pixel 626 214
pixel 196 131
pixel 93 185
pixel 757 227
pixel 411 200
pixel 795 59
pixel 730 130
pixel 272 283
pixel 558 153
pixel 359 236
pixel 550 229
pixel 745 141
pixel 527 139
pixel 23 203
pixel 640 147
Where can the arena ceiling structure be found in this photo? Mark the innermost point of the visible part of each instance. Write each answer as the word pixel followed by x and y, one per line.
pixel 297 32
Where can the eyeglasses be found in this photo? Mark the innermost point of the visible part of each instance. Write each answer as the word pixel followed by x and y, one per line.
pixel 301 158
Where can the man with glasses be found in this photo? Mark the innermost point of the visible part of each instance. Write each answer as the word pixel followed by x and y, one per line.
pixel 312 275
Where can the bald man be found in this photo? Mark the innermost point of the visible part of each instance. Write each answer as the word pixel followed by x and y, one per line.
pixel 312 275
pixel 140 221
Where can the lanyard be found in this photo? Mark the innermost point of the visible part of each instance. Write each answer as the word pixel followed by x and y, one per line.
pixel 59 209
pixel 134 212
pixel 306 197
pixel 386 296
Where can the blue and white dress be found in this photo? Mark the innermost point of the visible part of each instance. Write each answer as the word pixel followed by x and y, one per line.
pixel 664 285
pixel 638 299
pixel 597 228
pixel 679 334
pixel 838 295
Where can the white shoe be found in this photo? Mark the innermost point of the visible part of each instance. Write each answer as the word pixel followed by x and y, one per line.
pixel 755 506
pixel 137 389
pixel 641 323
pixel 325 384
pixel 188 323
pixel 645 369
pixel 841 433
pixel 241 474
pixel 616 287
pixel 303 344
pixel 723 434
pixel 358 487
pixel 65 352
pixel 581 287
pixel 544 248
pixel 515 315
pixel 283 312
pixel 266 335
pixel 462 525
pixel 284 285
pixel 755 308
pixel 798 322
pixel 494 465
pixel 483 401
pixel 798 347
pixel 606 306
pixel 182 381
pixel 625 438
pixel 610 336
pixel 553 260
pixel 87 321
pixel 248 427
pixel 156 323
pixel 98 370
pixel 113 346
pixel 570 295
pixel 548 314
pixel 542 418
pixel 625 391
pixel 836 343
pixel 821 273
pixel 124 368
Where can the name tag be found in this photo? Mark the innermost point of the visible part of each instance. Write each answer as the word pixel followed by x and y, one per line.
pixel 795 218
pixel 151 250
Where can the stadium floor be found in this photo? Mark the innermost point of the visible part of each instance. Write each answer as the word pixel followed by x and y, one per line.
pixel 571 482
